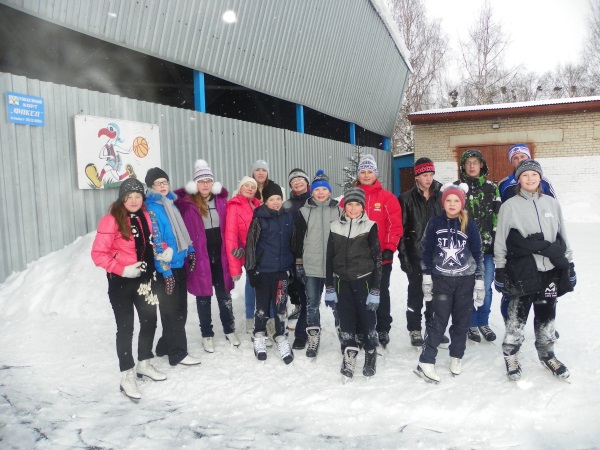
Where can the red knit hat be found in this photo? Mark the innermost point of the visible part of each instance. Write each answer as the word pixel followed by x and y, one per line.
pixel 423 165
pixel 460 191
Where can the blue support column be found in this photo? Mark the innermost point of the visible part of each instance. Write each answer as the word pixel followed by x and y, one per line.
pixel 299 118
pixel 387 143
pixel 352 133
pixel 199 92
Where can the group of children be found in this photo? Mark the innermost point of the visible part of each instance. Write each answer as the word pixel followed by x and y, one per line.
pixel 198 241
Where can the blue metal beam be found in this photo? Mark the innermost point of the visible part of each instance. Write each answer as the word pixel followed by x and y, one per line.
pixel 199 92
pixel 299 118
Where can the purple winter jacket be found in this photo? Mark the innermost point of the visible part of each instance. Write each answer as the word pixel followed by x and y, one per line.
pixel 199 282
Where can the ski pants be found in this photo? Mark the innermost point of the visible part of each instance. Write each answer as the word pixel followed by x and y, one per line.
pixel 414 302
pixel 123 296
pixel 384 315
pixel 271 293
pixel 353 313
pixel 173 316
pixel 544 310
pixel 452 296
pixel 203 303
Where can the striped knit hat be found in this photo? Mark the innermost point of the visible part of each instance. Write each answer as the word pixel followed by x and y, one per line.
pixel 202 171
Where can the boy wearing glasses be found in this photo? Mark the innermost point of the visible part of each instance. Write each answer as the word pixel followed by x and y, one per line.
pixel 483 203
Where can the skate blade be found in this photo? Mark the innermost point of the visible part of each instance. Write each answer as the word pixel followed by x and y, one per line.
pixel 132 399
pixel 444 346
pixel 346 379
pixel 454 375
pixel 424 378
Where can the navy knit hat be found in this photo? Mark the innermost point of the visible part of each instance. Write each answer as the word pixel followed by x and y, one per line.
pixel 528 164
pixel 320 180
pixel 154 174
pixel 131 185
pixel 271 189
pixel 354 195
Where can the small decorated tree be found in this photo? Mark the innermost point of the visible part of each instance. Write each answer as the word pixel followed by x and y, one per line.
pixel 350 171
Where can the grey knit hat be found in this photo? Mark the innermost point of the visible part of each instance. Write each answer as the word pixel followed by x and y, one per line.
pixel 355 195
pixel 528 164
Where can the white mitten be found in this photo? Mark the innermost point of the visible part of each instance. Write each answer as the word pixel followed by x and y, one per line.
pixel 166 255
pixel 427 288
pixel 478 293
pixel 132 271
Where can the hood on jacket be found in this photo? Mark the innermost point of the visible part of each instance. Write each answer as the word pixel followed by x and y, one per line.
pixel 192 188
pixel 473 154
pixel 183 194
pixel 152 196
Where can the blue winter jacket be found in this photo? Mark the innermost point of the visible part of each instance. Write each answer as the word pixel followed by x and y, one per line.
pixel 268 245
pixel 162 232
pixel 449 252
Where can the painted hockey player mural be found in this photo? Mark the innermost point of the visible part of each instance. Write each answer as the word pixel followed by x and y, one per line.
pixel 126 150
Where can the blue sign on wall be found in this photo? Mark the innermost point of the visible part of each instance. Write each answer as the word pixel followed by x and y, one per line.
pixel 25 109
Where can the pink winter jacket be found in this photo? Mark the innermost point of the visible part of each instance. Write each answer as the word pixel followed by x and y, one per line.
pixel 110 251
pixel 239 216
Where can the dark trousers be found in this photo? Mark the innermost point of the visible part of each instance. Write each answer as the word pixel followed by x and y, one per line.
pixel 124 297
pixel 544 310
pixel 271 293
pixel 353 313
pixel 452 296
pixel 414 302
pixel 203 303
pixel 173 316
pixel 384 316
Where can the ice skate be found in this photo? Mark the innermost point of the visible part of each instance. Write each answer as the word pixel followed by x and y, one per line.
pixel 427 372
pixel 299 343
pixel 285 351
pixel 369 368
pixel 314 338
pixel 250 326
pixel 129 386
pixel 513 368
pixel 145 369
pixel 384 339
pixel 189 361
pixel 558 369
pixel 416 340
pixel 445 342
pixel 233 339
pixel 455 366
pixel 270 332
pixel 473 335
pixel 487 333
pixel 260 347
pixel 349 363
pixel 208 344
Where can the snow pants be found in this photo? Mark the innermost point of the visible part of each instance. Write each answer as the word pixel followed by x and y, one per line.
pixel 452 296
pixel 271 293
pixel 353 313
pixel 414 302
pixel 384 315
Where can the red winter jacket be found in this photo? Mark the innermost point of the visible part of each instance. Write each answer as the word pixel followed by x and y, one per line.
pixel 110 251
pixel 383 208
pixel 239 216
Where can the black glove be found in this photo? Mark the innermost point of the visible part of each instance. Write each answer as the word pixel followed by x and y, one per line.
pixel 406 267
pixel 191 261
pixel 300 273
pixel 169 284
pixel 572 274
pixel 387 256
pixel 500 280
pixel 238 253
pixel 252 277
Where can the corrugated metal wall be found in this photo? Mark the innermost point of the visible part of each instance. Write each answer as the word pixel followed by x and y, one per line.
pixel 41 208
pixel 335 56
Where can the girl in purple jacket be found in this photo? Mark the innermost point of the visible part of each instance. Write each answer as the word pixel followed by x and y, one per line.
pixel 203 204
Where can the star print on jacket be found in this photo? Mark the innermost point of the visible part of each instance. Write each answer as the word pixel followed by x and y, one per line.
pixel 448 251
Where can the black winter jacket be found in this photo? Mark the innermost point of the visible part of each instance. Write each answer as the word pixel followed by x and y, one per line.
pixel 522 275
pixel 416 212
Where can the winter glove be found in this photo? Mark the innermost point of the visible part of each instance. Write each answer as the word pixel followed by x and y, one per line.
pixel 572 274
pixel 169 284
pixel 300 273
pixel 387 256
pixel 166 255
pixel 330 297
pixel 427 286
pixel 478 293
pixel 406 267
pixel 238 253
pixel 236 277
pixel 132 271
pixel 191 261
pixel 373 300
pixel 499 280
pixel 252 277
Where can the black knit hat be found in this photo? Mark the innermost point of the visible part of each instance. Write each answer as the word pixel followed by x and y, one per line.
pixel 154 174
pixel 528 164
pixel 354 195
pixel 131 185
pixel 270 190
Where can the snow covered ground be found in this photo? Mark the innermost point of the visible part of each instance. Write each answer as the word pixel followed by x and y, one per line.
pixel 59 377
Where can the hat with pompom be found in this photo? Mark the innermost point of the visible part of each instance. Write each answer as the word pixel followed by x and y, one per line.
pixel 460 191
pixel 202 171
pixel 320 180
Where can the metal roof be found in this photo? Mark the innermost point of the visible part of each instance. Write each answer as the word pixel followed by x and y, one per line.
pixel 336 56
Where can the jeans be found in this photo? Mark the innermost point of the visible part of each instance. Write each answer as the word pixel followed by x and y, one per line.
pixel 314 290
pixel 223 299
pixel 250 299
pixel 481 315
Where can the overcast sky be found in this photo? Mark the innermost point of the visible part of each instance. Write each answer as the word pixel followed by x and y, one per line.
pixel 543 33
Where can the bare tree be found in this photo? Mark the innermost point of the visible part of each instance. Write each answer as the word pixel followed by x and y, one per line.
pixel 482 59
pixel 591 52
pixel 428 46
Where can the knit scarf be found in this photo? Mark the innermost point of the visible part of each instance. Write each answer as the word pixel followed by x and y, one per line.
pixel 143 250
pixel 177 224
